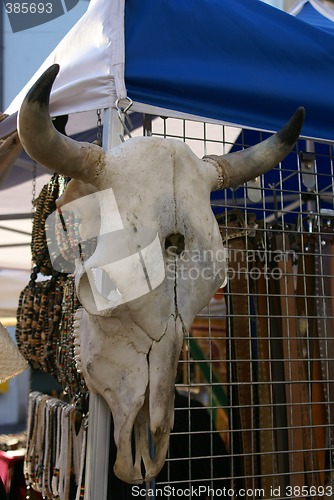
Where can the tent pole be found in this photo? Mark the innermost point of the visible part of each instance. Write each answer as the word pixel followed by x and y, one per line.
pixel 97 451
pixel 97 454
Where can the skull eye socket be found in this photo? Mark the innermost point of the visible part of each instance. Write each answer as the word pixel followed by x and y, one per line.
pixel 174 243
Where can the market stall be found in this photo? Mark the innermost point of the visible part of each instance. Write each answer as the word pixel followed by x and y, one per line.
pixel 255 377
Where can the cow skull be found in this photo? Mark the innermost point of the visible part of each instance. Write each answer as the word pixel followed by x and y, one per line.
pixel 159 194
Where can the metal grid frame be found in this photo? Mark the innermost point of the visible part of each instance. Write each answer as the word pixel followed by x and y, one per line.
pixel 290 237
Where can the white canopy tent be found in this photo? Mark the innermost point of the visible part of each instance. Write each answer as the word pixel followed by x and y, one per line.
pixel 91 59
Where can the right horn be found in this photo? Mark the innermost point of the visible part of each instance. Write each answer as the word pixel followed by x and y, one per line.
pixel 43 143
pixel 237 168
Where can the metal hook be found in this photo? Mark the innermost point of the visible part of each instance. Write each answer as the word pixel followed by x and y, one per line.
pixel 123 116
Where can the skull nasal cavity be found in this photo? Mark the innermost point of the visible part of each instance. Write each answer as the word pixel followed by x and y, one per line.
pixel 175 242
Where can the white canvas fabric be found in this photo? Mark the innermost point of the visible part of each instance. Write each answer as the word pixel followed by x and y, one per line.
pixel 91 59
pixel 322 8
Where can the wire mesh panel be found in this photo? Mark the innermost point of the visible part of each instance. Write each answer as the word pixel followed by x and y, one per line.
pixel 254 404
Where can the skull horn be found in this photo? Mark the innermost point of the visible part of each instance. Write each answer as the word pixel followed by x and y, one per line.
pixel 236 168
pixel 40 139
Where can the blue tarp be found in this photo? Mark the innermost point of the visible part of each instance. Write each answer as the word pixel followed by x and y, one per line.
pixel 323 152
pixel 240 61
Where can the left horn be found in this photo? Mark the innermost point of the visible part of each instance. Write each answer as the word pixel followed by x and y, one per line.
pixel 40 139
pixel 234 169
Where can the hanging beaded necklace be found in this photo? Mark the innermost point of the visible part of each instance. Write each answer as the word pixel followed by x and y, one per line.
pixel 46 308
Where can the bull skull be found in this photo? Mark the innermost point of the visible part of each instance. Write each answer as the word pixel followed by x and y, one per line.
pixel 130 344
